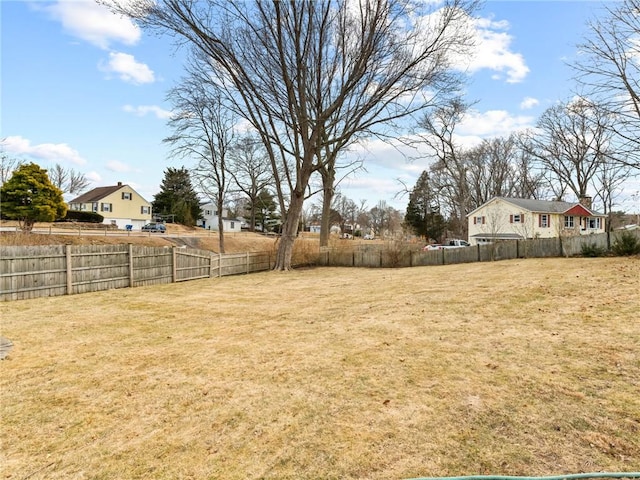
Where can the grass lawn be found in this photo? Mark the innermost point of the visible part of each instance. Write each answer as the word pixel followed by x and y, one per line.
pixel 522 367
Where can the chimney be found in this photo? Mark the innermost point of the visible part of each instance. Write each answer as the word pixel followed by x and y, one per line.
pixel 585 201
pixel 119 184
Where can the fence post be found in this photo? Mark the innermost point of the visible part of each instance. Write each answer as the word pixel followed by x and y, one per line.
pixel 211 265
pixel 69 267
pixel 247 260
pixel 220 265
pixel 131 265
pixel 174 266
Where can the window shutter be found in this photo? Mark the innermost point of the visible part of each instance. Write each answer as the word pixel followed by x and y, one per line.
pixel 483 219
pixel 540 220
pixel 522 217
pixel 510 218
pixel 475 220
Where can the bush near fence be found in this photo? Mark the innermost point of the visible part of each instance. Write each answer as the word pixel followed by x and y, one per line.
pixel 41 271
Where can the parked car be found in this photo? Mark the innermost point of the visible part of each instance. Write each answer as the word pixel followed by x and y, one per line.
pixel 154 227
pixel 454 243
pixel 368 236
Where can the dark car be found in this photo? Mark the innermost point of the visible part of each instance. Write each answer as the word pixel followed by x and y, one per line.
pixel 154 227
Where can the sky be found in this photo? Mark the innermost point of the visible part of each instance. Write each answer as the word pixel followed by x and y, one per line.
pixel 86 89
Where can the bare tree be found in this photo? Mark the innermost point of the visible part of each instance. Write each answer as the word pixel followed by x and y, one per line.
pixel 7 166
pixel 610 176
pixel 309 74
pixel 499 168
pixel 250 171
pixel 203 130
pixel 67 179
pixel 571 142
pixel 609 70
pixel 449 172
pixel 531 182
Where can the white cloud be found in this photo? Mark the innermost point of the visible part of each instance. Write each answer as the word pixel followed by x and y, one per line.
pixel 52 152
pixel 528 102
pixel 94 23
pixel 492 52
pixel 116 166
pixel 493 123
pixel 143 110
pixel 94 177
pixel 128 69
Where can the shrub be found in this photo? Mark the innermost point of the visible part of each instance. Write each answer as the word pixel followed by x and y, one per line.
pixel 626 244
pixel 592 250
pixel 78 216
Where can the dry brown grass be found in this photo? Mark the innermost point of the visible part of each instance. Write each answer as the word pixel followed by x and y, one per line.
pixel 523 367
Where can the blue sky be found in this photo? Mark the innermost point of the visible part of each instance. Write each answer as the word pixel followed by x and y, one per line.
pixel 86 89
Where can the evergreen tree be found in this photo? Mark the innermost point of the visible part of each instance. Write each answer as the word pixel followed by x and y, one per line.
pixel 29 197
pixel 423 215
pixel 177 197
pixel 264 208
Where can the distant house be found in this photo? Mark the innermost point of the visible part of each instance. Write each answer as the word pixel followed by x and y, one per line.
pixel 504 218
pixel 209 220
pixel 120 205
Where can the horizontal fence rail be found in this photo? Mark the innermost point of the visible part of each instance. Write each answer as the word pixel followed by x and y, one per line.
pixel 45 271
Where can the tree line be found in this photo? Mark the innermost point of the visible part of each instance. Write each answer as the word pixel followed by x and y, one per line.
pixel 587 146
pixel 309 79
pixel 312 78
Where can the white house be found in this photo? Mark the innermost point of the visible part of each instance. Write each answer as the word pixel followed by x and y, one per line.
pixel 504 218
pixel 119 204
pixel 209 220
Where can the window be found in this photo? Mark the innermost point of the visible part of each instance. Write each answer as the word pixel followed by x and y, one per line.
pixel 233 224
pixel 478 220
pixel 568 221
pixel 105 207
pixel 145 210
pixel 94 207
pixel 517 218
pixel 127 196
pixel 594 223
pixel 207 212
pixel 544 220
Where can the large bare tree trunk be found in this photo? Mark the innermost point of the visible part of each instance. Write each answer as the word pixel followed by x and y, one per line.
pixel 328 189
pixel 289 233
pixel 219 206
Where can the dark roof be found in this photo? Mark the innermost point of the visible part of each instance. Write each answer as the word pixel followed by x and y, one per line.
pixel 96 194
pixel 542 206
pixel 534 205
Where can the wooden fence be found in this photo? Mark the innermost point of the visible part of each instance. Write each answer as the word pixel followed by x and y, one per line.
pixel 42 271
pixel 378 255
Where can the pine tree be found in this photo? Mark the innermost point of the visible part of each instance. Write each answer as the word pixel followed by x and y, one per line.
pixel 177 197
pixel 264 208
pixel 29 197
pixel 423 215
